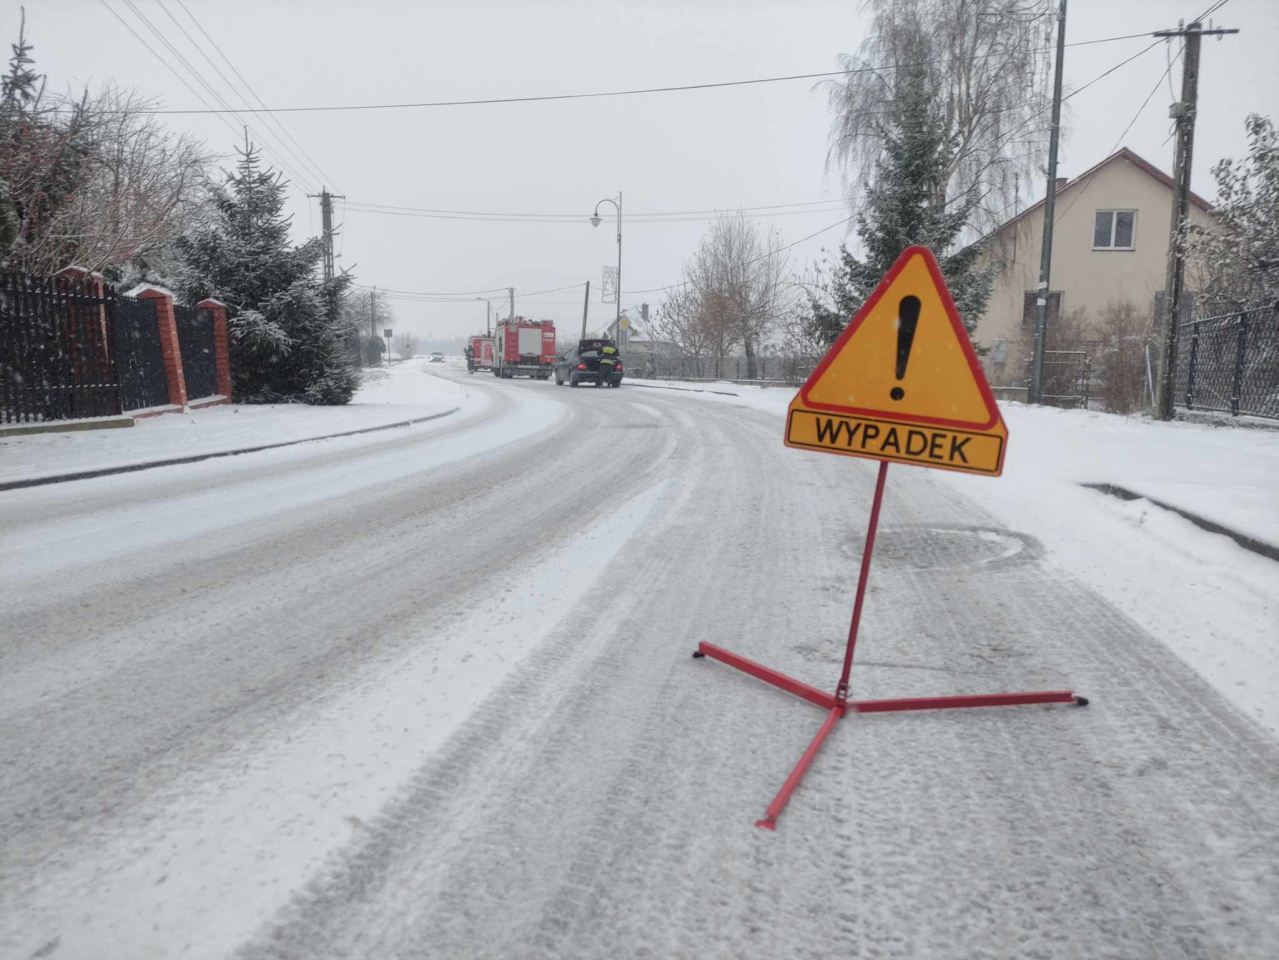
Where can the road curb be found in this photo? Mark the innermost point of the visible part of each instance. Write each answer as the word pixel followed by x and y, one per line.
pixel 654 386
pixel 196 458
pixel 1259 547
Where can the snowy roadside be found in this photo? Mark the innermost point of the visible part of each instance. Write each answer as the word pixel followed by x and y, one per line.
pixel 405 391
pixel 1210 601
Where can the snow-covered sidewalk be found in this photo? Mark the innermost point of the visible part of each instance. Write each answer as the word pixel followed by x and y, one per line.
pixel 1215 604
pixel 404 391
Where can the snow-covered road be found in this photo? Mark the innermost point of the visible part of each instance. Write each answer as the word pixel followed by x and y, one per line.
pixel 429 693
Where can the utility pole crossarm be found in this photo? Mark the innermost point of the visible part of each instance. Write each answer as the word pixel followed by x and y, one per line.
pixel 1167 34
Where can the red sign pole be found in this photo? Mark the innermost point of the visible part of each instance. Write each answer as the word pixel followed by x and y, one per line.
pixel 841 692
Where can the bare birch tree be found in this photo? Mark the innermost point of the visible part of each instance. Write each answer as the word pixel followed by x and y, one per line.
pixel 989 63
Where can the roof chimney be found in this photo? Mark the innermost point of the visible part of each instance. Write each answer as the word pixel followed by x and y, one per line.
pixel 1061 184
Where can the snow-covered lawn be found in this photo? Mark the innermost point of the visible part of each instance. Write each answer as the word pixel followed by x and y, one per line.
pixel 404 391
pixel 1213 603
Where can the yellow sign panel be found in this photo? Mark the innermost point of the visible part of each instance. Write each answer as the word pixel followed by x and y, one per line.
pixel 902 382
pixel 943 447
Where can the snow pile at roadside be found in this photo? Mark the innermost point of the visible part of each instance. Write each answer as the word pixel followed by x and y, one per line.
pixel 405 391
pixel 1213 603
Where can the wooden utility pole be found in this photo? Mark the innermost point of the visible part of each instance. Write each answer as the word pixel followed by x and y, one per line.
pixel 1183 112
pixel 586 306
pixel 326 221
pixel 1050 211
pixel 511 293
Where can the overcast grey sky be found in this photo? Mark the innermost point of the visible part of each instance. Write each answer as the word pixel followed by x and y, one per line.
pixel 690 151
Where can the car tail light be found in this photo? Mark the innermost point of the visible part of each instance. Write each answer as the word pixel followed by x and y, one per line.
pixel 581 366
pixel 619 368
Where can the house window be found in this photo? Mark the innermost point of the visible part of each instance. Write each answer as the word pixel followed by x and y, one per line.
pixel 1114 230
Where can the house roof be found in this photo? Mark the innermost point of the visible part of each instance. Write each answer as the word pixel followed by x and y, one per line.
pixel 1123 153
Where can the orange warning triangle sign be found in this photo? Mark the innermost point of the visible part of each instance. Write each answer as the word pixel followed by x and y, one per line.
pixel 902 382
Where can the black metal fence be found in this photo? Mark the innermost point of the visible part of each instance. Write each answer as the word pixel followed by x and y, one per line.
pixel 140 354
pixel 1230 363
pixel 772 369
pixel 195 339
pixel 57 355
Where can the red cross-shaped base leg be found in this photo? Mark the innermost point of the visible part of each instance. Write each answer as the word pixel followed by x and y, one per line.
pixel 838 705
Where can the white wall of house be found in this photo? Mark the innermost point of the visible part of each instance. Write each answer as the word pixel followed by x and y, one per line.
pixel 1087 275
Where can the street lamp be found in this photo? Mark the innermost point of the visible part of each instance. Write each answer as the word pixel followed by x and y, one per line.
pixel 595 222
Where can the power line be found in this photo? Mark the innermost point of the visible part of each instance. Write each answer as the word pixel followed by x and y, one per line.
pixel 306 158
pixel 1094 80
pixel 771 253
pixel 181 79
pixel 534 293
pixel 577 220
pixel 1155 89
pixel 454 293
pixel 544 98
pixel 578 217
pixel 1211 10
pixel 199 77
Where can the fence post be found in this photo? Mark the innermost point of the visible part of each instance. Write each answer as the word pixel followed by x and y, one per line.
pixel 1236 387
pixel 168 338
pixel 1193 366
pixel 221 344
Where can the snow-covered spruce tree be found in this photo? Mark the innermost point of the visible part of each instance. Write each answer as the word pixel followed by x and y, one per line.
pixel 286 345
pixel 905 204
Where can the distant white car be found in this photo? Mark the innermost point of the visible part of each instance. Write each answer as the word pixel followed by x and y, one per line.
pixel 437 357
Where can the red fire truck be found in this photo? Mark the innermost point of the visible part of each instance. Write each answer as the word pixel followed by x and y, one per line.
pixel 525 348
pixel 480 355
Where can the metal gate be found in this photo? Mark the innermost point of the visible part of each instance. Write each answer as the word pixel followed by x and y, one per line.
pixel 56 351
pixel 195 338
pixel 140 354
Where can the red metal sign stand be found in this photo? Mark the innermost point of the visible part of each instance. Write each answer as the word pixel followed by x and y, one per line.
pixel 839 705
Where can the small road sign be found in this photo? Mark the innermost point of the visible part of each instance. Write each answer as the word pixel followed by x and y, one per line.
pixel 902 383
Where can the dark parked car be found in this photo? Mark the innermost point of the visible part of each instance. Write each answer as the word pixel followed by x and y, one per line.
pixel 582 365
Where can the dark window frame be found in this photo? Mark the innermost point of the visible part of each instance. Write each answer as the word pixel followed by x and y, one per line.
pixel 1113 214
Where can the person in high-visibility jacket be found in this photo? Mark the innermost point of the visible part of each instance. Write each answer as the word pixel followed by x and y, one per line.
pixel 608 363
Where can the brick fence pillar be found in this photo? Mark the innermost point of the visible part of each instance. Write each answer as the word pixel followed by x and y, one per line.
pixel 221 345
pixel 92 280
pixel 168 338
pixel 93 287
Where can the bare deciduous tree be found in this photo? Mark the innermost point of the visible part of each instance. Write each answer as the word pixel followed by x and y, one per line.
pixel 367 310
pixel 94 179
pixel 680 321
pixel 143 187
pixel 988 63
pixel 1119 357
pixel 406 344
pixel 734 292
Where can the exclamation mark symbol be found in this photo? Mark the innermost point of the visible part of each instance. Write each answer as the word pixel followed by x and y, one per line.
pixel 907 320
